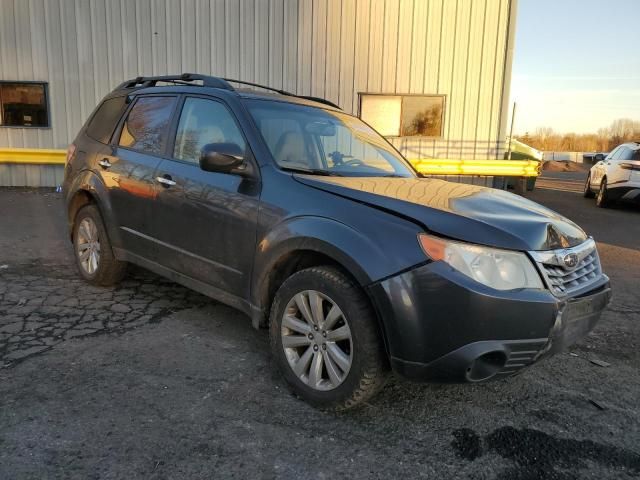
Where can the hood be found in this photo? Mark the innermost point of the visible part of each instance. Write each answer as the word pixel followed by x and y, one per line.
pixel 470 213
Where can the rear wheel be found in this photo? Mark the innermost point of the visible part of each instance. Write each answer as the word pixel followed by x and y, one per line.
pixel 325 339
pixel 94 256
pixel 602 200
pixel 588 193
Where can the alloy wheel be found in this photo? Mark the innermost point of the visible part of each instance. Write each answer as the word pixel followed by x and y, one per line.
pixel 88 246
pixel 316 339
pixel 602 198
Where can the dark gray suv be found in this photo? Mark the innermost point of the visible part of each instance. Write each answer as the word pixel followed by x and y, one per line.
pixel 313 224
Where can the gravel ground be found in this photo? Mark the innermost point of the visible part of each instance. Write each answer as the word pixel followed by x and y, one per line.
pixel 151 380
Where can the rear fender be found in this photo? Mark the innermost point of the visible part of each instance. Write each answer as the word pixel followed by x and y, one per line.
pixel 91 183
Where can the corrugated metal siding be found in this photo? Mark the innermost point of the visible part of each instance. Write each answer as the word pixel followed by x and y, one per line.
pixel 329 48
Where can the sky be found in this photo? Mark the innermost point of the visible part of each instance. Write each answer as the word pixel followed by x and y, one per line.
pixel 576 64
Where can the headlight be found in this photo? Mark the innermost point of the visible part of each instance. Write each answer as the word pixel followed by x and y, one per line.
pixel 495 268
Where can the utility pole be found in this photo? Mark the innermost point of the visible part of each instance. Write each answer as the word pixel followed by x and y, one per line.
pixel 513 119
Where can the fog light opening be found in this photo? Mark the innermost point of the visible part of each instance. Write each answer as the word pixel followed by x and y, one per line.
pixel 486 366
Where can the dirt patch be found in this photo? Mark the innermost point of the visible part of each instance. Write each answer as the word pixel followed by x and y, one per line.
pixel 536 454
pixel 558 166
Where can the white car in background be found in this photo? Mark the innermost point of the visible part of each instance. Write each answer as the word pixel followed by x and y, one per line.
pixel 615 177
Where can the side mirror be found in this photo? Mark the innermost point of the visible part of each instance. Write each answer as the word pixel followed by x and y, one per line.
pixel 221 157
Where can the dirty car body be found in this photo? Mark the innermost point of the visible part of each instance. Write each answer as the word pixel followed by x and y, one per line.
pixel 465 283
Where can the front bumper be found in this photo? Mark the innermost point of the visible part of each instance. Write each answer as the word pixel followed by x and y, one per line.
pixel 441 326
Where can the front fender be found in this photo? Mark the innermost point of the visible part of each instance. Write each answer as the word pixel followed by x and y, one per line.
pixel 89 182
pixel 367 260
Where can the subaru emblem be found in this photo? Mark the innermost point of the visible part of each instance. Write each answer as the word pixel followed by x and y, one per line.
pixel 570 260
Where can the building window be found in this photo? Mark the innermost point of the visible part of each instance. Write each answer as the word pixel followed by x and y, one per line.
pixel 403 115
pixel 23 104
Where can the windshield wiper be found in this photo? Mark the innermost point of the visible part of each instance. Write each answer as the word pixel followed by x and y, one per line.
pixel 311 171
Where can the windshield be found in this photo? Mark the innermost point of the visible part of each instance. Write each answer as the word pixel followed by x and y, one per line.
pixel 325 142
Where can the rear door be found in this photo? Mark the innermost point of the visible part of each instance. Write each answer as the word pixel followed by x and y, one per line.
pixel 634 166
pixel 128 171
pixel 601 168
pixel 626 167
pixel 205 222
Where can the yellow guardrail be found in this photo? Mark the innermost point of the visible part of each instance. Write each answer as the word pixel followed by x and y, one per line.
pixel 33 156
pixel 428 166
pixel 497 168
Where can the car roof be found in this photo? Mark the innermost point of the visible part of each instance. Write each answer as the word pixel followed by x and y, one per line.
pixel 185 83
pixel 251 94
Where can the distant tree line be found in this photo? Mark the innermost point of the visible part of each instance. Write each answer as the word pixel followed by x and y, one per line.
pixel 606 139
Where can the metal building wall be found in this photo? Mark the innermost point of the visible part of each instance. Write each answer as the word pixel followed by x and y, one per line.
pixel 328 48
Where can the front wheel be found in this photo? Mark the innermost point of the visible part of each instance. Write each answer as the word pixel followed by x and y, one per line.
pixel 325 339
pixel 602 200
pixel 588 193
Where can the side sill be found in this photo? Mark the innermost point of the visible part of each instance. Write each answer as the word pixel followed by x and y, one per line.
pixel 201 287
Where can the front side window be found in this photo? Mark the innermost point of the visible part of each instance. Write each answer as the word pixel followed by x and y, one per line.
pixel 613 153
pixel 619 153
pixel 23 104
pixel 146 126
pixel 313 139
pixel 204 122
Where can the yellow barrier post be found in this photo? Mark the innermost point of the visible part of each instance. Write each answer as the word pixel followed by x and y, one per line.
pixel 497 168
pixel 427 166
pixel 32 156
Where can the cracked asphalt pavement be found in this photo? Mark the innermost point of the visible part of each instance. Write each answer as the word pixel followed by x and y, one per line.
pixel 152 380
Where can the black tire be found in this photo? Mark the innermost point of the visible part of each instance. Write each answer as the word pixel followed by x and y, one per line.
pixel 369 367
pixel 602 199
pixel 109 271
pixel 588 193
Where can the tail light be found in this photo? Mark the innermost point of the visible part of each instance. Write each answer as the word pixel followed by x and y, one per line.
pixel 71 153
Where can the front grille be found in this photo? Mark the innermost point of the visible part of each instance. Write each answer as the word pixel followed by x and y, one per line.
pixel 563 280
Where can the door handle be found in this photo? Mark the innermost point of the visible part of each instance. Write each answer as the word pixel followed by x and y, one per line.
pixel 104 163
pixel 165 181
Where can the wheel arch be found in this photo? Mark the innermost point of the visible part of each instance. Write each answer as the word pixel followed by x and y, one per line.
pixel 79 199
pixel 300 259
pixel 306 242
pixel 86 189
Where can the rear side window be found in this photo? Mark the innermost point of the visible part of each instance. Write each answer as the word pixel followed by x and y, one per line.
pixel 105 119
pixel 145 128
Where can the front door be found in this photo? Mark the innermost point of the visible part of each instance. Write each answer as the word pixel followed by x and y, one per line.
pixel 205 222
pixel 601 167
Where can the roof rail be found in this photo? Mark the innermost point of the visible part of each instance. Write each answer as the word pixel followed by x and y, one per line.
pixel 283 92
pixel 242 82
pixel 208 81
pixel 183 79
pixel 319 100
